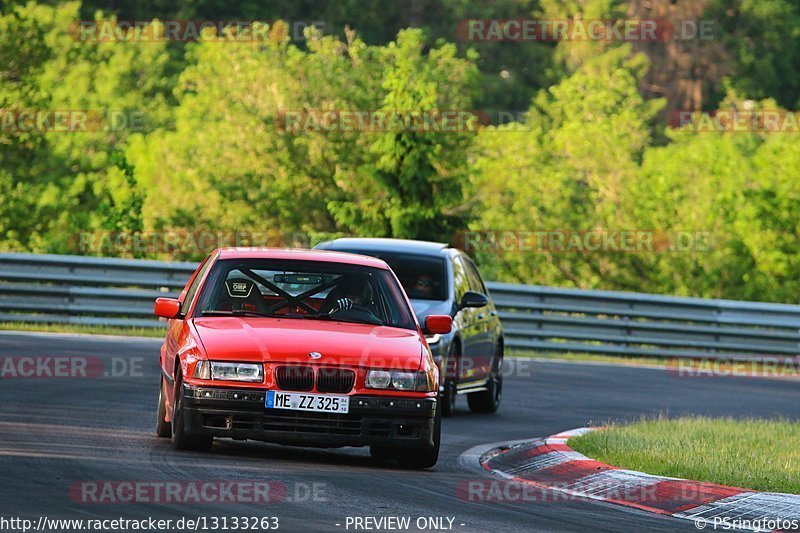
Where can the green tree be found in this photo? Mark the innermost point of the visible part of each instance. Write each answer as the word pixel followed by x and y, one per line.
pixel 236 162
pixel 418 174
pixel 566 168
pixel 62 183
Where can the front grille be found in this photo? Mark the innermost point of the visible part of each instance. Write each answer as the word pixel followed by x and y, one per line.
pixel 299 378
pixel 335 380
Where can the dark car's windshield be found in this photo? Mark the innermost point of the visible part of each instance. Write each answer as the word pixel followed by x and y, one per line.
pixel 422 277
pixel 304 290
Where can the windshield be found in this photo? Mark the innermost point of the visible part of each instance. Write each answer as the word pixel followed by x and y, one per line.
pixel 422 277
pixel 304 290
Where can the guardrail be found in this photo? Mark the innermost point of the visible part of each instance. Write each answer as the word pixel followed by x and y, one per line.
pixel 120 292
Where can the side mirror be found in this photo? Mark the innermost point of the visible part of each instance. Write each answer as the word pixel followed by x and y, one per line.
pixel 167 307
pixel 473 299
pixel 438 324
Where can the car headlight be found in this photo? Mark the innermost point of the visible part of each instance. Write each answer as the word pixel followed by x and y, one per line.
pixel 216 370
pixel 405 381
pixel 379 379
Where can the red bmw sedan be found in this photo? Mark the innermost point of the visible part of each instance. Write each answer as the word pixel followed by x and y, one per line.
pixel 299 347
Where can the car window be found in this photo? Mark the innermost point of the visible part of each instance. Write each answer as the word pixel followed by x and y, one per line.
pixel 475 281
pixel 187 301
pixel 460 278
pixel 305 290
pixel 422 277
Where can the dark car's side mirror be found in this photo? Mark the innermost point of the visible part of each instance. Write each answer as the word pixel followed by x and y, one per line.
pixel 167 307
pixel 473 299
pixel 438 324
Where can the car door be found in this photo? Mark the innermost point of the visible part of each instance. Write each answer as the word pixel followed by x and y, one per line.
pixel 483 324
pixel 467 323
pixel 175 325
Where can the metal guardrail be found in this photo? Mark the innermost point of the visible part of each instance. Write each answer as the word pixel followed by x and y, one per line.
pixel 86 290
pixel 120 292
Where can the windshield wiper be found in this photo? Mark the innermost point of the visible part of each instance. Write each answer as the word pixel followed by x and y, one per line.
pixel 317 317
pixel 373 321
pixel 237 312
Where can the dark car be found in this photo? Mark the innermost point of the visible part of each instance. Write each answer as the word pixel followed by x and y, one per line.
pixel 440 280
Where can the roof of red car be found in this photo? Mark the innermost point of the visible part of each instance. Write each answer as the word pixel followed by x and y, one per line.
pixel 301 254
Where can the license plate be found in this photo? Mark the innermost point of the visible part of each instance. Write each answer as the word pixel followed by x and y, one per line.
pixel 301 401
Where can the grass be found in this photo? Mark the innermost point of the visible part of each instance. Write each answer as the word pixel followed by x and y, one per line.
pixel 752 454
pixel 769 367
pixel 88 330
pixel 590 357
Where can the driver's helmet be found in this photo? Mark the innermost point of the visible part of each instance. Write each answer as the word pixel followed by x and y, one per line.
pixel 357 287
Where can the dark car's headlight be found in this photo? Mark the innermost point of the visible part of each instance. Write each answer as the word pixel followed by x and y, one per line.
pixel 404 381
pixel 217 370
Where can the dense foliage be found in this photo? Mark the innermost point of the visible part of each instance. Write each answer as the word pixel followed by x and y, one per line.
pixel 207 140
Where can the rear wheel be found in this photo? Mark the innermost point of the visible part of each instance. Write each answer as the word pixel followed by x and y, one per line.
pixel 423 457
pixel 163 428
pixel 448 398
pixel 182 440
pixel 489 400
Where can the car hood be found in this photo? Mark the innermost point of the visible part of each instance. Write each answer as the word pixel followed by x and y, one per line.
pixel 261 339
pixel 423 308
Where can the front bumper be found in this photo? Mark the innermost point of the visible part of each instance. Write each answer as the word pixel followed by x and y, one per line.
pixel 372 420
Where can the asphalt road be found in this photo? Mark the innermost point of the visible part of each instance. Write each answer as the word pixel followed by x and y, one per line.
pixel 56 433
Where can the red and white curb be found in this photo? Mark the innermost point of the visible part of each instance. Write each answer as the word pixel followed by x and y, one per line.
pixel 551 465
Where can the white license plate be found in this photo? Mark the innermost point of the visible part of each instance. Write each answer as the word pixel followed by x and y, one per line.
pixel 301 401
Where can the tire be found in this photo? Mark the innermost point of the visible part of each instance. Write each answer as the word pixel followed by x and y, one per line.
pixel 424 457
pixel 181 440
pixel 450 393
pixel 163 428
pixel 448 398
pixel 488 401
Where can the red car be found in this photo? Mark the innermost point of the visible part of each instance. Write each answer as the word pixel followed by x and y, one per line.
pixel 299 347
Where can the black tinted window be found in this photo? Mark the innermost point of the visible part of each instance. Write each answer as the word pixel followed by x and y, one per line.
pixel 422 277
pixel 475 281
pixel 460 278
pixel 187 302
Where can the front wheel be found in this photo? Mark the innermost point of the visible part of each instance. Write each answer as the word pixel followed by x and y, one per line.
pixel 163 428
pixel 450 390
pixel 425 457
pixel 181 440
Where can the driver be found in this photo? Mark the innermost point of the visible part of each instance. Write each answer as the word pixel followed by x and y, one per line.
pixel 423 286
pixel 350 291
